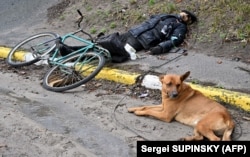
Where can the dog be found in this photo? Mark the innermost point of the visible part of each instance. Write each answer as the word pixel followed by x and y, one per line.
pixel 180 102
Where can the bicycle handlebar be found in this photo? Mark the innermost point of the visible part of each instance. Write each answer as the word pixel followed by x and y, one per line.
pixel 79 12
pixel 79 24
pixel 80 19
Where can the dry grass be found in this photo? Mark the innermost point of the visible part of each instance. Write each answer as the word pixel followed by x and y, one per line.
pixel 227 18
pixel 222 23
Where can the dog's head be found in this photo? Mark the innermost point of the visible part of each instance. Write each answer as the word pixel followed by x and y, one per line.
pixel 172 84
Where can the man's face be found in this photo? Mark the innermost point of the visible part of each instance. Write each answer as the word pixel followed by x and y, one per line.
pixel 185 18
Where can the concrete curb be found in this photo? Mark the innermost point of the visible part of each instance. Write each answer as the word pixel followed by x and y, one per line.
pixel 240 100
pixel 237 99
pixel 106 73
pixel 4 51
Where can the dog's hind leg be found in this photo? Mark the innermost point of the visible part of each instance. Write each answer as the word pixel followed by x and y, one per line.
pixel 204 129
pixel 196 137
pixel 228 132
pixel 216 124
pixel 200 132
pixel 227 135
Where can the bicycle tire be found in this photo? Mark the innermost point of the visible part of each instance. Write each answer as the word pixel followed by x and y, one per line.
pixel 62 77
pixel 25 53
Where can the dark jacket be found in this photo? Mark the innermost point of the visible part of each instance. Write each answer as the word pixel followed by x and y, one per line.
pixel 149 32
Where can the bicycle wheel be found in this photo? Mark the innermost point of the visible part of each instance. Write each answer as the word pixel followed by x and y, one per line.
pixel 73 71
pixel 32 49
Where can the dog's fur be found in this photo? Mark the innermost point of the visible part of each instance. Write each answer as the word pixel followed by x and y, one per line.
pixel 188 106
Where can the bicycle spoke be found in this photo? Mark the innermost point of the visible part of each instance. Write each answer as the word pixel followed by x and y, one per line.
pixel 73 71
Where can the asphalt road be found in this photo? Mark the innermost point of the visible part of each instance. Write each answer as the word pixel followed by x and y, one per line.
pixel 20 18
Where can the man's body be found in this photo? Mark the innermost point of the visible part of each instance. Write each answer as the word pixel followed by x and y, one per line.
pixel 160 33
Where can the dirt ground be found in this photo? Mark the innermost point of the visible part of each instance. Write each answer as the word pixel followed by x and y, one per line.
pixel 63 16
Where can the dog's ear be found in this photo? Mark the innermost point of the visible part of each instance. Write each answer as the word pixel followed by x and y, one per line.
pixel 184 76
pixel 161 77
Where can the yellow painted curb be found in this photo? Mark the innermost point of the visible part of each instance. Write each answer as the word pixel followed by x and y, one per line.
pixel 117 75
pixel 237 99
pixel 111 74
pixel 4 51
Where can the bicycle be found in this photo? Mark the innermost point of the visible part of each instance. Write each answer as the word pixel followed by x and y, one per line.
pixel 71 66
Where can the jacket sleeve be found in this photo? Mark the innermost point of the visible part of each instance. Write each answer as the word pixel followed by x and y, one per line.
pixel 175 39
pixel 146 25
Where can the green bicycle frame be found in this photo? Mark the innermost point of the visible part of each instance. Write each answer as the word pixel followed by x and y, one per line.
pixel 89 45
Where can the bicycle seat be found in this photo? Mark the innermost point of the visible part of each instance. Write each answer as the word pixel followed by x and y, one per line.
pixel 66 49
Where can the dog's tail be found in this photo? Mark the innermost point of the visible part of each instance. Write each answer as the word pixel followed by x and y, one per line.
pixel 237 132
pixel 229 130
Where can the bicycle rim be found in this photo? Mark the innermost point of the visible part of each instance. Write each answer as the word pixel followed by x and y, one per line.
pixel 32 49
pixel 73 72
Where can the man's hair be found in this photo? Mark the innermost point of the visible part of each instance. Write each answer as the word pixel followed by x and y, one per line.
pixel 191 15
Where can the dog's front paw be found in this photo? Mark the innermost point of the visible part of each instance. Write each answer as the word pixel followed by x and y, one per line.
pixel 131 110
pixel 139 113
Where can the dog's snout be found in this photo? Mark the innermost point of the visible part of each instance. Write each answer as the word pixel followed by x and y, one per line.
pixel 173 94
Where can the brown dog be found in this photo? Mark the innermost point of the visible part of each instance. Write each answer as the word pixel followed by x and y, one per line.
pixel 188 106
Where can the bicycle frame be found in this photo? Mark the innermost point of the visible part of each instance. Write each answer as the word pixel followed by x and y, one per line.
pixel 72 62
pixel 56 59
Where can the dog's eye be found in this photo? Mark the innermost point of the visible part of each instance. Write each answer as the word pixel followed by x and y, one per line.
pixel 178 85
pixel 169 84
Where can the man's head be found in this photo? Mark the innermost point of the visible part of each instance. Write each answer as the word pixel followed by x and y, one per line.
pixel 187 17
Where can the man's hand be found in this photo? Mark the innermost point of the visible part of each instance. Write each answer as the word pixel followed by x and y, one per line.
pixel 156 50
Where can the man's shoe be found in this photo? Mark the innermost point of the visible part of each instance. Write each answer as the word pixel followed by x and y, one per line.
pixel 156 50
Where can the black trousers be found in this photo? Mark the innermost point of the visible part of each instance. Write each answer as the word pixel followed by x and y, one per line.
pixel 128 38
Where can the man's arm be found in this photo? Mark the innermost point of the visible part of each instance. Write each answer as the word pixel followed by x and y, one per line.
pixel 175 39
